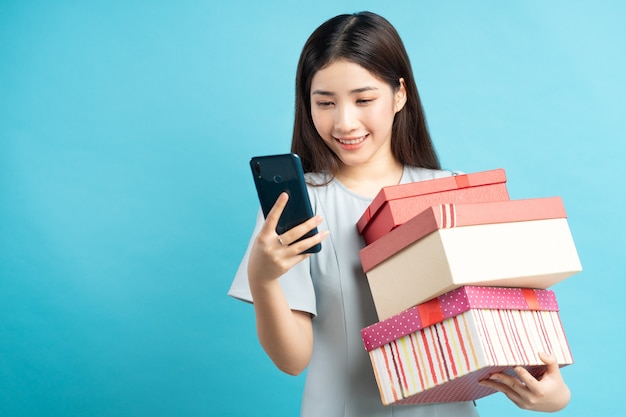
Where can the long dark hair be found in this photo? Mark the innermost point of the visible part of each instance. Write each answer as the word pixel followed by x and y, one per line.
pixel 370 41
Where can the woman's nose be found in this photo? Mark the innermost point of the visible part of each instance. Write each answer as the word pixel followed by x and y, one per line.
pixel 345 119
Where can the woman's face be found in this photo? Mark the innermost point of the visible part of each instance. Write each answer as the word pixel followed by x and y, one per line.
pixel 353 112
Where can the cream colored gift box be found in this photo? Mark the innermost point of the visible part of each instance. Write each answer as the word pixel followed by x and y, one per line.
pixel 515 243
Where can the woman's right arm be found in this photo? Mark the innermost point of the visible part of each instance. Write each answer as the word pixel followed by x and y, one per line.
pixel 286 335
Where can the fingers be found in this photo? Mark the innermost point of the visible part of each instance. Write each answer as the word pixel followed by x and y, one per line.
pixel 552 369
pixel 524 378
pixel 303 245
pixel 547 394
pixel 271 221
pixel 550 361
pixel 503 383
pixel 524 375
pixel 296 233
pixel 272 255
pixel 507 385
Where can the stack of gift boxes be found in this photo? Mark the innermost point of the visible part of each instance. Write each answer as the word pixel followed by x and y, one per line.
pixel 459 275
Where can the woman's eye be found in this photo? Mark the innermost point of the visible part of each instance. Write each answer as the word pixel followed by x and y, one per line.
pixel 364 101
pixel 324 103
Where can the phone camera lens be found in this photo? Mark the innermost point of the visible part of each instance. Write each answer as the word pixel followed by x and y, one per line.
pixel 257 167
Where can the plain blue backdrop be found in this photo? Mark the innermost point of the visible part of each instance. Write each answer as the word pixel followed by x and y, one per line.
pixel 126 201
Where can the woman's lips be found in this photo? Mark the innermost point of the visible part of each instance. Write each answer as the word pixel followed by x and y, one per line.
pixel 351 141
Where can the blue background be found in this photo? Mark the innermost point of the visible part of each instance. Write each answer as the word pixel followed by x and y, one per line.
pixel 126 201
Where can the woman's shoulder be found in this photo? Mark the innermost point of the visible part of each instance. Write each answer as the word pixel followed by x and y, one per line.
pixel 317 178
pixel 412 173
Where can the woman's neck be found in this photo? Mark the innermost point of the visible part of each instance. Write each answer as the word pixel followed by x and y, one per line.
pixel 367 180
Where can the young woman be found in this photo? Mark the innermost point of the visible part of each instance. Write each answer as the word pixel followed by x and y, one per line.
pixel 359 126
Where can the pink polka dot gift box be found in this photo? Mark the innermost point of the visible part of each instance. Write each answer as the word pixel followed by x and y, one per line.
pixel 394 205
pixel 513 243
pixel 438 351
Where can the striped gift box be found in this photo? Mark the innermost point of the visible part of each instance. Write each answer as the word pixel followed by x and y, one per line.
pixel 439 350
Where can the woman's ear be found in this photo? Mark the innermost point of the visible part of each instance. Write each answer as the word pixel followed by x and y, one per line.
pixel 400 96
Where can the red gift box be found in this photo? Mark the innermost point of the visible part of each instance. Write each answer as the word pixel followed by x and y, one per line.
pixel 439 351
pixel 515 243
pixel 394 205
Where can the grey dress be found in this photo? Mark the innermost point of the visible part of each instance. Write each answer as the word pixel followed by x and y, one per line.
pixel 332 287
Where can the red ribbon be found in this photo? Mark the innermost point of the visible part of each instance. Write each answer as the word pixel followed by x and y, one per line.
pixel 430 312
pixel 531 298
pixel 462 181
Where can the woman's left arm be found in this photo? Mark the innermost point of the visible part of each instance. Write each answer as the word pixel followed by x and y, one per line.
pixel 548 394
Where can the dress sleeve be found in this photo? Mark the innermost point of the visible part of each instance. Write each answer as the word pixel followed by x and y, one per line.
pixel 296 283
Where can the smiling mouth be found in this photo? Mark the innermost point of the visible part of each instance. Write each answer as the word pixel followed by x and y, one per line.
pixel 354 141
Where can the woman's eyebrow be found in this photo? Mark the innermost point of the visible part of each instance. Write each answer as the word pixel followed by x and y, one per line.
pixel 362 90
pixel 355 91
pixel 322 93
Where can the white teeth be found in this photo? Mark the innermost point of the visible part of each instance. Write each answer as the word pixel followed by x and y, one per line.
pixel 351 141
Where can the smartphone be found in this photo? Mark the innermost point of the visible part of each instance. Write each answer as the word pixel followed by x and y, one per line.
pixel 274 174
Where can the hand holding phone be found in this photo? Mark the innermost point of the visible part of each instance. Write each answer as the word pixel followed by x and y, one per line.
pixel 275 174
